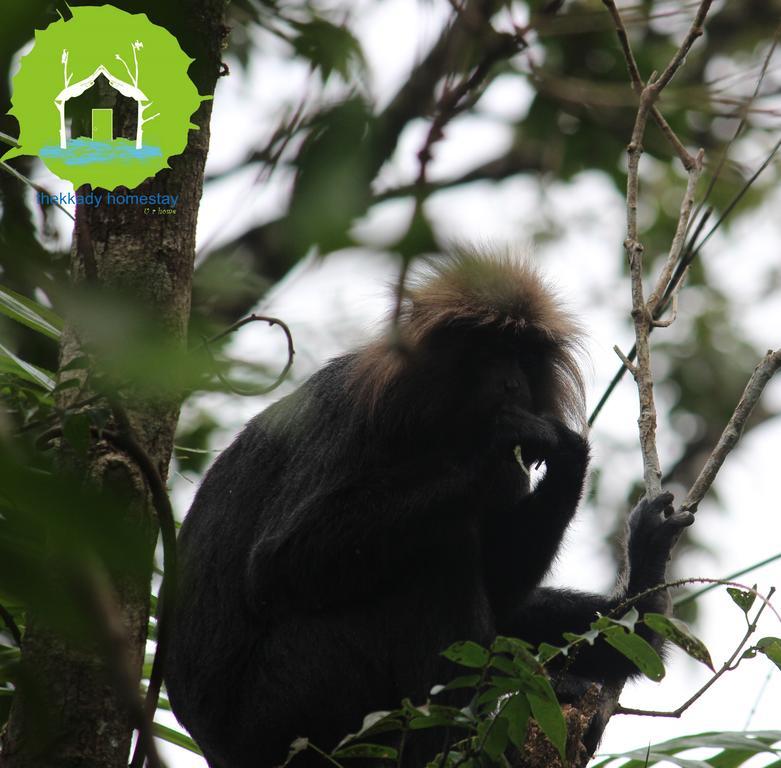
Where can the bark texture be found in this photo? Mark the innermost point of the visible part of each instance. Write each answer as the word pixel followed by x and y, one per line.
pixel 120 251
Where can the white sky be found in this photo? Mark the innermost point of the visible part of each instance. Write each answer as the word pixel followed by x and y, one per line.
pixel 333 305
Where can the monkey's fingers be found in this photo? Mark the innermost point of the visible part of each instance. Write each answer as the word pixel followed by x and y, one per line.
pixel 662 503
pixel 681 519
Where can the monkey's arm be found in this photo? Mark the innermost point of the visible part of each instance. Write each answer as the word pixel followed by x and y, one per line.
pixel 522 537
pixel 547 613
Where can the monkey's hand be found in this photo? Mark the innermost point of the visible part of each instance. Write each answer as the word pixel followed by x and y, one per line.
pixel 654 527
pixel 539 438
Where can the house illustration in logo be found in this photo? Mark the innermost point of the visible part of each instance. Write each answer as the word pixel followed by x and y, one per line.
pixel 86 91
pixel 102 119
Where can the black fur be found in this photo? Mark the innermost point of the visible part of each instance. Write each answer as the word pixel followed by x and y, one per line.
pixel 340 544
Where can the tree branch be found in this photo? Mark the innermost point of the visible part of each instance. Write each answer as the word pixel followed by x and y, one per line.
pixel 638 86
pixel 727 666
pixel 756 385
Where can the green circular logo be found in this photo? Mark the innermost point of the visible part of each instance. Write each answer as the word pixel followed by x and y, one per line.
pixel 104 98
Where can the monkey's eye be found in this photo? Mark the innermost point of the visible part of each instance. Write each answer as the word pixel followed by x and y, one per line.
pixel 512 385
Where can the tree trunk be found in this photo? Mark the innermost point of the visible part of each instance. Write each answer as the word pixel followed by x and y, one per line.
pixel 120 250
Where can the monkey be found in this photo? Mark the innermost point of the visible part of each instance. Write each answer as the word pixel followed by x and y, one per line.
pixel 360 525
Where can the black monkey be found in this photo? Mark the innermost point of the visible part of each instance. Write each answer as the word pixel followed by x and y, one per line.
pixel 362 524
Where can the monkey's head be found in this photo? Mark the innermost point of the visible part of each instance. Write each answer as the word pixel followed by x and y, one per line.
pixel 477 333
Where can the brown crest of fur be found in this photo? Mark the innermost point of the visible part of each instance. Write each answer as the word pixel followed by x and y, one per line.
pixel 469 289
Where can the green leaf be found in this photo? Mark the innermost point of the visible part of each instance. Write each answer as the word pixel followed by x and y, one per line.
pixel 589 637
pixel 467 654
pixel 464 681
pixel 732 758
pixel 743 599
pixel 381 722
pixel 328 47
pixel 524 661
pixel 511 645
pixel 679 633
pixel 30 183
pixel 9 659
pixel 30 313
pixel 435 720
pixel 547 712
pixel 517 713
pixel 493 737
pixel 735 746
pixel 506 684
pixel 637 650
pixel 27 371
pixel 429 721
pixel 176 737
pixel 504 664
pixel 11 367
pixel 490 696
pixel 546 652
pixel 771 647
pixel 335 155
pixel 10 140
pixel 366 750
pixel 628 620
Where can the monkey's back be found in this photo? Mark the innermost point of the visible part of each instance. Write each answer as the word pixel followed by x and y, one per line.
pixel 248 674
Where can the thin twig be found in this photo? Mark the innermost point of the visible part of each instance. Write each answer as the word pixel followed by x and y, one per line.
pixel 676 248
pixel 756 384
pixel 758 698
pixel 667 322
pixel 638 86
pixel 37 187
pixel 253 318
pixel 736 199
pixel 643 376
pixel 10 140
pixel 645 314
pixel 693 249
pixel 746 109
pixel 124 440
pixel 453 101
pixel 690 598
pixel 725 667
pixel 625 360
pixel 622 607
pixel 100 600
pixel 400 289
pixel 695 31
pixel 642 311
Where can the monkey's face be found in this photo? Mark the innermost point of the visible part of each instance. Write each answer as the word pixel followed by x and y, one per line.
pixel 488 376
pixel 503 381
pixel 464 382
